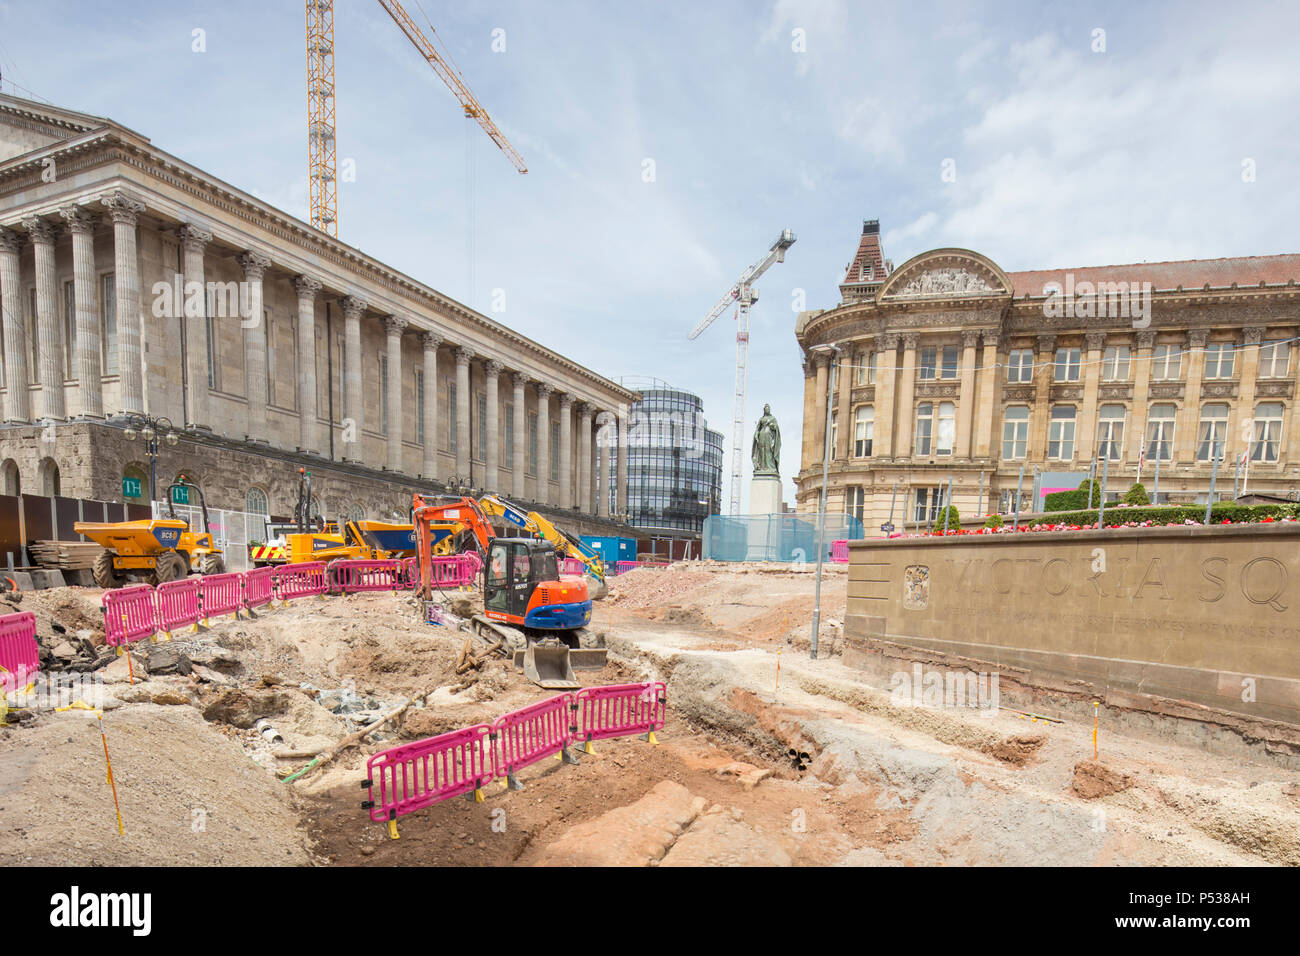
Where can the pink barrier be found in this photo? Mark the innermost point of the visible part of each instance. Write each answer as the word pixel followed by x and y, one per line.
pixel 19 654
pixel 526 736
pixel 299 580
pixel 220 594
pixel 472 565
pixel 416 775
pixel 129 614
pixel 259 587
pixel 350 577
pixel 453 571
pixel 178 604
pixel 840 552
pixel 621 566
pixel 573 566
pixel 619 710
pixel 410 573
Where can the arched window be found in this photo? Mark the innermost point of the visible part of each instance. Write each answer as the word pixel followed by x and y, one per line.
pixel 49 475
pixel 1214 432
pixel 255 502
pixel 863 431
pixel 1015 432
pixel 13 484
pixel 1060 433
pixel 1110 432
pixel 1268 431
pixel 1160 432
pixel 135 483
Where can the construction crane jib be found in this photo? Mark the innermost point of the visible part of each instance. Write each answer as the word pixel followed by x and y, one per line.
pixel 743 295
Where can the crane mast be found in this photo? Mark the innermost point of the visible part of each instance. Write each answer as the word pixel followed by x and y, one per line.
pixel 743 295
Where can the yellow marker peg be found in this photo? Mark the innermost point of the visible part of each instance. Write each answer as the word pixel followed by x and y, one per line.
pixel 478 795
pixel 587 748
pixel 392 830
pixel 650 736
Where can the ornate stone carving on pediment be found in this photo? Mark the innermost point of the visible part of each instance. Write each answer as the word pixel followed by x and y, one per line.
pixel 1115 393
pixel 1166 390
pixel 937 390
pixel 946 282
pixel 1066 393
pixel 1018 393
pixel 1219 390
pixel 864 393
pixel 1146 340
pixel 1279 389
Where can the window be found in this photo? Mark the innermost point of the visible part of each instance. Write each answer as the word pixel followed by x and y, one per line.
pixel 1114 364
pixel 949 369
pixel 1218 360
pixel 1160 432
pixel 383 394
pixel 555 451
pixel 510 435
pixel 1015 432
pixel 270 356
pixel 928 356
pixel 1020 365
pixel 860 369
pixel 947 429
pixel 1110 432
pixel 69 331
pixel 924 428
pixel 1166 363
pixel 451 418
pixel 419 406
pixel 108 324
pixel 926 508
pixel 532 443
pixel 835 432
pixel 854 502
pixel 255 502
pixel 1274 359
pixel 33 342
pixel 872 365
pixel 479 451
pixel 864 428
pixel 1267 431
pixel 1060 433
pixel 1067 365
pixel 1214 429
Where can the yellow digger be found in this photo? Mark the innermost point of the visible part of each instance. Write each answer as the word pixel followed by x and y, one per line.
pixel 155 550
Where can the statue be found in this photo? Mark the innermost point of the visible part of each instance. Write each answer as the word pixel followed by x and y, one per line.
pixel 765 451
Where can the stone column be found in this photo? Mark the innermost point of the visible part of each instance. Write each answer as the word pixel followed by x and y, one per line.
pixel 255 344
pixel 1036 448
pixel 1188 422
pixel 809 434
pixel 906 395
pixel 566 451
pixel 17 398
pixel 431 341
pixel 604 462
pixel 308 432
pixel 519 463
pixel 620 502
pixel 492 453
pixel 394 325
pixel 989 402
pixel 966 395
pixel 87 346
pixel 822 364
pixel 584 458
pixel 1244 406
pixel 1086 416
pixel 463 357
pixel 1136 426
pixel 193 243
pixel 125 211
pixel 844 404
pixel 544 450
pixel 882 445
pixel 354 409
pixel 50 357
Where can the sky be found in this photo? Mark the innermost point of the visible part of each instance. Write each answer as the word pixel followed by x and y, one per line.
pixel 668 143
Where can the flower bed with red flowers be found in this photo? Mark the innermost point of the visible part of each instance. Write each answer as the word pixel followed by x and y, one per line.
pixel 1122 516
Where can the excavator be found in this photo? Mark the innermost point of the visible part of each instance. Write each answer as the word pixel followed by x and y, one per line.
pixel 538 617
pixel 565 544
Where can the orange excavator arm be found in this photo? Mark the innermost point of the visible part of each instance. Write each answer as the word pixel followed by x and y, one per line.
pixel 427 511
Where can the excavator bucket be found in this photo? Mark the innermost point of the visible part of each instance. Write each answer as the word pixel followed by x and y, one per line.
pixel 547 665
pixel 596 588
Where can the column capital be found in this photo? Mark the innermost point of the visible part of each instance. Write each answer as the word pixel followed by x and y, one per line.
pixel 990 338
pixel 493 368
pixel 40 231
pixel 307 285
pixel 10 241
pixel 910 340
pixel 431 340
pixel 123 207
pixel 586 409
pixel 888 342
pixel 395 324
pixel 254 265
pixel 1252 334
pixel 81 221
pixel 970 338
pixel 520 379
pixel 1047 342
pixel 353 306
pixel 544 390
pixel 1146 340
pixel 193 238
pixel 464 356
pixel 1095 340
pixel 1196 337
pixel 566 401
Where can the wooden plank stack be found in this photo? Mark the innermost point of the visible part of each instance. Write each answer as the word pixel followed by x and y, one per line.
pixel 65 555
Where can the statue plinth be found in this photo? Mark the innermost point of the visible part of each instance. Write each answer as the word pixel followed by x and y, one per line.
pixel 765 510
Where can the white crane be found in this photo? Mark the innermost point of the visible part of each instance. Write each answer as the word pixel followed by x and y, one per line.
pixel 743 294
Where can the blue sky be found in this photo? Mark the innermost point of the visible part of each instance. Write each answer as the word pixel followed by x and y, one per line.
pixel 1064 155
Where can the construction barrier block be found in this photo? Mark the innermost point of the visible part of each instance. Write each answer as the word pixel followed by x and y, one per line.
pixel 20 657
pixel 299 580
pixel 350 577
pixel 178 604
pixel 840 552
pixel 258 587
pixel 523 737
pixel 129 614
pixel 413 776
pixel 620 710
pixel 220 594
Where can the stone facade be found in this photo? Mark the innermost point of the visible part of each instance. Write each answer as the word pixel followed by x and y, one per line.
pixel 132 282
pixel 949 367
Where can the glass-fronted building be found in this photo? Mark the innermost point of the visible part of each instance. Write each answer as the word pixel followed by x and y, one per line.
pixel 674 461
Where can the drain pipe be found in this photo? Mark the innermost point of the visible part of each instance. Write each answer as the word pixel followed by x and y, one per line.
pixel 821 511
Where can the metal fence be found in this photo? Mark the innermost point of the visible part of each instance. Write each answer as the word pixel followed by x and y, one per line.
pixel 779 537
pixel 231 530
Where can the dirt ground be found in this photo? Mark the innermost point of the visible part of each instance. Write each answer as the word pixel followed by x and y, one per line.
pixel 768 757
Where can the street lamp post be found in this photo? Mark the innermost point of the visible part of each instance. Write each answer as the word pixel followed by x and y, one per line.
pixel 821 510
pixel 151 429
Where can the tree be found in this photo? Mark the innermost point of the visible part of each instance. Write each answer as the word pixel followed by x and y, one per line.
pixel 1137 495
pixel 954 520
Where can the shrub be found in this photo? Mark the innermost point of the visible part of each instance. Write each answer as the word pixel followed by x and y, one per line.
pixel 1177 514
pixel 994 521
pixel 954 520
pixel 1137 495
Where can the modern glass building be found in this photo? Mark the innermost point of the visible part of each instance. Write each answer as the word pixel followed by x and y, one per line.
pixel 674 460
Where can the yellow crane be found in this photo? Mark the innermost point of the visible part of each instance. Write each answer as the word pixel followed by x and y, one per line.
pixel 322 161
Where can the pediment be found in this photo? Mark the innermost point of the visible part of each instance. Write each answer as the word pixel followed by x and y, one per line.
pixel 27 126
pixel 945 274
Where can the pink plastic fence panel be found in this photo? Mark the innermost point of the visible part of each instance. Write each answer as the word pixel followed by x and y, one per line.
pixel 840 552
pixel 259 586
pixel 353 576
pixel 19 655
pixel 623 566
pixel 410 573
pixel 178 604
pixel 220 594
pixel 129 614
pixel 453 571
pixel 526 736
pixel 299 580
pixel 473 564
pixel 573 566
pixel 413 776
pixel 620 710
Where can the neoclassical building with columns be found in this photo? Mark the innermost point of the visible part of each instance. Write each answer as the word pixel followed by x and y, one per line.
pixel 133 282
pixel 951 368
